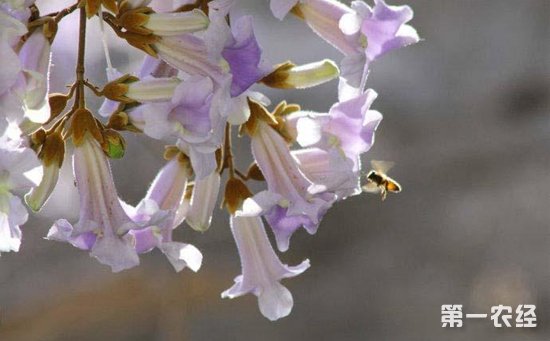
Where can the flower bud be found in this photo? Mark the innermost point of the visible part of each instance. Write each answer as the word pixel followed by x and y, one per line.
pixel 51 155
pixel 152 90
pixel 174 24
pixel 290 76
pixel 118 121
pixel 113 144
pixel 117 89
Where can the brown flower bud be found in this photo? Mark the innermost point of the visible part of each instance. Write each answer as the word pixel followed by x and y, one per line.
pixel 117 89
pixel 118 121
pixel 171 152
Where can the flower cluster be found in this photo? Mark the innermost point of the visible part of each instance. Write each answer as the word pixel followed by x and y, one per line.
pixel 200 77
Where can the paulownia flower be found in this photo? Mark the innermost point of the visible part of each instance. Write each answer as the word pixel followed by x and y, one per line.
pixel 161 210
pixel 103 224
pixel 291 200
pixel 24 77
pixel 194 116
pixel 261 269
pixel 349 126
pixel 16 174
pixel 362 33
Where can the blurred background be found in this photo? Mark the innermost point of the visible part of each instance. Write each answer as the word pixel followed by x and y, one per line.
pixel 467 121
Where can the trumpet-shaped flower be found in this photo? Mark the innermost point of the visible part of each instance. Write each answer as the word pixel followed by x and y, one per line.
pixel 161 210
pixel 301 202
pixel 330 169
pixel 103 224
pixel 362 33
pixel 194 116
pixel 261 269
pixel 349 126
pixel 381 28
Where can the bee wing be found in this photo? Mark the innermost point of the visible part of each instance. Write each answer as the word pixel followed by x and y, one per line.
pixel 382 166
pixel 371 187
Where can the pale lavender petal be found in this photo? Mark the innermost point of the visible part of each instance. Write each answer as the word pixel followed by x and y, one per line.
pixel 354 124
pixel 116 252
pixel 182 255
pixel 12 215
pixel 244 57
pixel 203 202
pixel 323 17
pixel 386 29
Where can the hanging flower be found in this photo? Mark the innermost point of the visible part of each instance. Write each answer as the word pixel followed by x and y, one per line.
pixel 103 225
pixel 299 201
pixel 261 269
pixel 163 209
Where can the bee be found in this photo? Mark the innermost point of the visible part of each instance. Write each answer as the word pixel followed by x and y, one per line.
pixel 379 182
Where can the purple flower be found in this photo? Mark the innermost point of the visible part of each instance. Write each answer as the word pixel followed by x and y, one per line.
pixel 349 126
pixel 381 29
pixel 261 269
pixel 237 45
pixel 299 201
pixel 103 224
pixel 383 26
pixel 362 33
pixel 194 116
pixel 24 76
pixel 244 56
pixel 162 210
pixel 330 169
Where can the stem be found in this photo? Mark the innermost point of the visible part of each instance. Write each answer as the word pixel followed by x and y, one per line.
pixel 94 88
pixel 80 61
pixel 61 14
pixel 241 175
pixel 227 151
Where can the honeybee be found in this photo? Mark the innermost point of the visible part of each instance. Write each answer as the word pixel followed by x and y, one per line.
pixel 379 182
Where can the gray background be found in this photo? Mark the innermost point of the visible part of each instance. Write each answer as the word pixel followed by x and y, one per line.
pixel 466 119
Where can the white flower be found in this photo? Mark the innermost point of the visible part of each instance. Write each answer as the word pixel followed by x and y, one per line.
pixel 18 167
